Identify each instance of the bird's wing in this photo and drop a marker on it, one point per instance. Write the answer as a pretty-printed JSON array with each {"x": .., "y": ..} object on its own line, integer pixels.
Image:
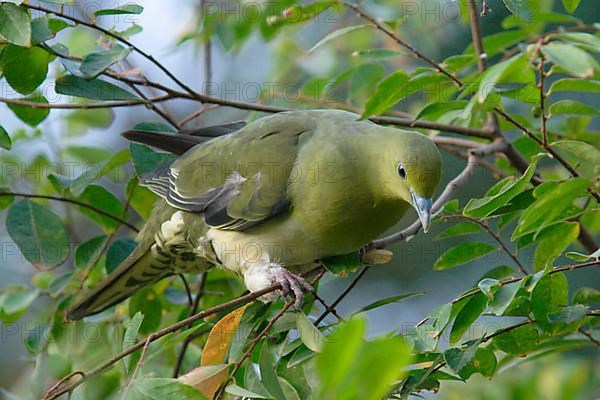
[{"x": 238, "y": 180}]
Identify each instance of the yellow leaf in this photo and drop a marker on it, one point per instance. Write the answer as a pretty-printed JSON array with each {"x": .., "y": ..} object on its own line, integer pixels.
[{"x": 216, "y": 348}]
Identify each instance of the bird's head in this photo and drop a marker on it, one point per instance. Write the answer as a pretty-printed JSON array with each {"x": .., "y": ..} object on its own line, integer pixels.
[{"x": 412, "y": 168}]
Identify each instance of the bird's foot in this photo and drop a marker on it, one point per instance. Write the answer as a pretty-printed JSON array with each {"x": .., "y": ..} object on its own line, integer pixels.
[{"x": 292, "y": 285}]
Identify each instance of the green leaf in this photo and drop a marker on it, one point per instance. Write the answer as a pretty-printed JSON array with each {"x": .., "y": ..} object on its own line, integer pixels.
[
  {"x": 377, "y": 54},
  {"x": 58, "y": 284},
  {"x": 88, "y": 251},
  {"x": 95, "y": 63},
  {"x": 131, "y": 333},
  {"x": 571, "y": 5},
  {"x": 336, "y": 34},
  {"x": 389, "y": 300},
  {"x": 503, "y": 298},
  {"x": 549, "y": 296},
  {"x": 549, "y": 206},
  {"x": 569, "y": 314},
  {"x": 6, "y": 199},
  {"x": 584, "y": 155},
  {"x": 147, "y": 302},
  {"x": 310, "y": 335},
  {"x": 104, "y": 200},
  {"x": 5, "y": 141},
  {"x": 388, "y": 92},
  {"x": 15, "y": 26},
  {"x": 572, "y": 107},
  {"x": 351, "y": 368},
  {"x": 45, "y": 28},
  {"x": 124, "y": 9},
  {"x": 488, "y": 286},
  {"x": 521, "y": 8},
  {"x": 461, "y": 254},
  {"x": 493, "y": 44},
  {"x": 574, "y": 255},
  {"x": 117, "y": 252},
  {"x": 87, "y": 154},
  {"x": 575, "y": 85},
  {"x": 32, "y": 116},
  {"x": 484, "y": 362},
  {"x": 341, "y": 265},
  {"x": 164, "y": 388},
  {"x": 94, "y": 89},
  {"x": 15, "y": 301},
  {"x": 462, "y": 228},
  {"x": 268, "y": 374},
  {"x": 480, "y": 208},
  {"x": 145, "y": 159},
  {"x": 434, "y": 111},
  {"x": 586, "y": 295},
  {"x": 519, "y": 341},
  {"x": 335, "y": 362},
  {"x": 499, "y": 272},
  {"x": 458, "y": 358},
  {"x": 25, "y": 80},
  {"x": 466, "y": 316},
  {"x": 142, "y": 200},
  {"x": 515, "y": 70},
  {"x": 39, "y": 233},
  {"x": 585, "y": 41},
  {"x": 552, "y": 241},
  {"x": 238, "y": 391},
  {"x": 570, "y": 58}
]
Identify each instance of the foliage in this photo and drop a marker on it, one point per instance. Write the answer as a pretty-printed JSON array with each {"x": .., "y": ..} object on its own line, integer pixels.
[{"x": 522, "y": 88}]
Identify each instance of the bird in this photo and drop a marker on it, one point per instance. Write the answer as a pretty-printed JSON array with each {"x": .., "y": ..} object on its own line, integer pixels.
[{"x": 269, "y": 199}]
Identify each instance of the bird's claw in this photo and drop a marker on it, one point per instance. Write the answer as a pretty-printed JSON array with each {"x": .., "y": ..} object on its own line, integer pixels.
[{"x": 293, "y": 285}]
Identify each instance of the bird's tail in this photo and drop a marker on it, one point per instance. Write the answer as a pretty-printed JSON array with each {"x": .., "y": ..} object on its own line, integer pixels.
[{"x": 135, "y": 272}]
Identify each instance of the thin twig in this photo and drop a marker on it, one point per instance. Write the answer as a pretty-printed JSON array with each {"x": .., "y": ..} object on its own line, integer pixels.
[
  {"x": 193, "y": 310},
  {"x": 72, "y": 201},
  {"x": 399, "y": 41},
  {"x": 589, "y": 336},
  {"x": 342, "y": 295},
  {"x": 494, "y": 235},
  {"x": 542, "y": 72},
  {"x": 152, "y": 106}
]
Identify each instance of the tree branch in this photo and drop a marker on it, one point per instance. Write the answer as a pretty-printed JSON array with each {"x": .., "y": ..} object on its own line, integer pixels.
[
  {"x": 73, "y": 201},
  {"x": 85, "y": 106}
]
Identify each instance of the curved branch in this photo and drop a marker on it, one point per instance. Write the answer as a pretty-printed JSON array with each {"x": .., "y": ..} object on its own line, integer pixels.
[
  {"x": 73, "y": 201},
  {"x": 84, "y": 106}
]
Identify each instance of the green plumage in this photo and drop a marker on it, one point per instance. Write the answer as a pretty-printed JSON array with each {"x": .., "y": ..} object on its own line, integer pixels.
[{"x": 281, "y": 192}]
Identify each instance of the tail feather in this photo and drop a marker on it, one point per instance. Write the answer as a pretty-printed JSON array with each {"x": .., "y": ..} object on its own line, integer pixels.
[{"x": 133, "y": 274}]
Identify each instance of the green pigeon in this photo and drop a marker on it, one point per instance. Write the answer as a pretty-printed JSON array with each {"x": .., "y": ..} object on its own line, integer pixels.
[{"x": 269, "y": 199}]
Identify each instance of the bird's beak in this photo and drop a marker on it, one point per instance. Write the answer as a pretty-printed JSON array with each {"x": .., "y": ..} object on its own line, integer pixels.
[{"x": 423, "y": 207}]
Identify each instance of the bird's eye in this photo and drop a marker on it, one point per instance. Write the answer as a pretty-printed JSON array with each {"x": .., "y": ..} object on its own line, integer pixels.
[{"x": 401, "y": 171}]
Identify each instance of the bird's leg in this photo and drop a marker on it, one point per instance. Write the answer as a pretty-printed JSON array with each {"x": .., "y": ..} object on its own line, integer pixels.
[{"x": 292, "y": 285}]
